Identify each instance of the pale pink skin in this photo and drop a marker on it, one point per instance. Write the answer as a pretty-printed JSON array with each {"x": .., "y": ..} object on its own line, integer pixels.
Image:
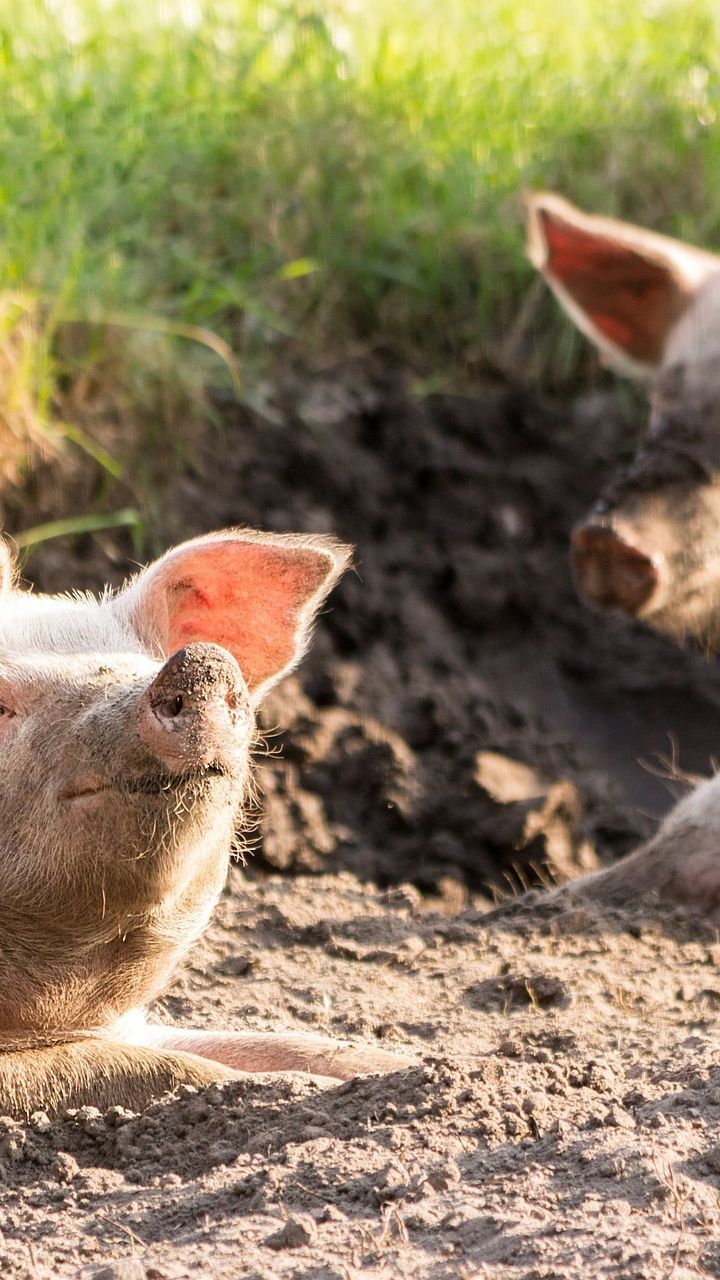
[
  {"x": 680, "y": 864},
  {"x": 126, "y": 726}
]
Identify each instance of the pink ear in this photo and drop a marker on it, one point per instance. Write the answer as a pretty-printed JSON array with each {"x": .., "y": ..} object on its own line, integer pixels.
[
  {"x": 256, "y": 594},
  {"x": 624, "y": 287}
]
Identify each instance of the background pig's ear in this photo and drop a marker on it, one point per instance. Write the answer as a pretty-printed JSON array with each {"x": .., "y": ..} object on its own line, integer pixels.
[
  {"x": 255, "y": 594},
  {"x": 7, "y": 567},
  {"x": 625, "y": 288}
]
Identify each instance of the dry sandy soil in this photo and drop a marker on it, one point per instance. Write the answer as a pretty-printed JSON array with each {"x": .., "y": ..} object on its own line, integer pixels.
[{"x": 462, "y": 724}]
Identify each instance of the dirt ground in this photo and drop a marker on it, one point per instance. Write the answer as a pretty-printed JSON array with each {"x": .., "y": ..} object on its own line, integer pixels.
[{"x": 463, "y": 726}]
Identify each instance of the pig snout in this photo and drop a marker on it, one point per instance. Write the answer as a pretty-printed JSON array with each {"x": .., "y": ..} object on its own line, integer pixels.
[
  {"x": 612, "y": 568},
  {"x": 196, "y": 713}
]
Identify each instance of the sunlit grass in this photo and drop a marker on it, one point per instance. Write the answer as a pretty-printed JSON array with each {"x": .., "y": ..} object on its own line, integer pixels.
[{"x": 334, "y": 173}]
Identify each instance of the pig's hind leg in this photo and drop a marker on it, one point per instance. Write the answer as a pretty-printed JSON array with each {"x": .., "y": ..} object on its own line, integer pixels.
[
  {"x": 282, "y": 1051},
  {"x": 680, "y": 864},
  {"x": 96, "y": 1072}
]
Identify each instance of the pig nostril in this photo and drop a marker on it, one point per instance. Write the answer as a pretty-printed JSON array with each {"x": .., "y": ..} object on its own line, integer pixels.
[{"x": 610, "y": 571}]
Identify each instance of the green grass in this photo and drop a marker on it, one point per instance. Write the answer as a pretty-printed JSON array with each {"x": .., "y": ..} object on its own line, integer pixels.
[{"x": 338, "y": 172}]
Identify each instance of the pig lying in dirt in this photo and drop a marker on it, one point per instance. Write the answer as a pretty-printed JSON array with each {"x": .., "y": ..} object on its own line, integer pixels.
[
  {"x": 651, "y": 545},
  {"x": 126, "y": 726},
  {"x": 678, "y": 865}
]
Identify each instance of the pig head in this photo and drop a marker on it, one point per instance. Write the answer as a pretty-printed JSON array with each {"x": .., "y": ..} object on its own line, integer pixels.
[
  {"x": 126, "y": 726},
  {"x": 651, "y": 544}
]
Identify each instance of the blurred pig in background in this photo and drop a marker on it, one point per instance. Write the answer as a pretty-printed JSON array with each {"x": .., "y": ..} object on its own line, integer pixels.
[{"x": 650, "y": 546}]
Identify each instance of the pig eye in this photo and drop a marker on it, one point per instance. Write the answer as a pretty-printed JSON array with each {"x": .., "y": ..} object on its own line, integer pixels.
[{"x": 5, "y": 712}]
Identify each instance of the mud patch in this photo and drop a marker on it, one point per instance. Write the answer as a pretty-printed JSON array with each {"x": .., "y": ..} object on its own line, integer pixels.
[
  {"x": 573, "y": 1135},
  {"x": 461, "y": 724},
  {"x": 462, "y": 720}
]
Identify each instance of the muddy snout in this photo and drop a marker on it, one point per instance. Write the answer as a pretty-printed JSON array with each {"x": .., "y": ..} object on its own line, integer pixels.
[
  {"x": 196, "y": 713},
  {"x": 612, "y": 568}
]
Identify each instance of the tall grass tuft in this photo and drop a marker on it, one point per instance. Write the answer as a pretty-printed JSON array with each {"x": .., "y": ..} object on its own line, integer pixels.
[{"x": 329, "y": 171}]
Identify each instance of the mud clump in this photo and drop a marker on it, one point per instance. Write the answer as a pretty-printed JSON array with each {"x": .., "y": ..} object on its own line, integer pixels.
[{"x": 510, "y": 990}]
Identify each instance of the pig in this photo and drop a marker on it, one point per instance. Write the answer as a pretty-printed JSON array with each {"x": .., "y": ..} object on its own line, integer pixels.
[
  {"x": 651, "y": 545},
  {"x": 678, "y": 866},
  {"x": 126, "y": 729}
]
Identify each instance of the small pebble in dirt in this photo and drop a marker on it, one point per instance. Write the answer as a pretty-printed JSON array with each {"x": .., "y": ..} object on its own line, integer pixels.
[
  {"x": 235, "y": 966},
  {"x": 600, "y": 1077},
  {"x": 391, "y": 1182},
  {"x": 618, "y": 1118},
  {"x": 443, "y": 1175},
  {"x": 293, "y": 1234},
  {"x": 12, "y": 1144},
  {"x": 65, "y": 1167},
  {"x": 533, "y": 1103},
  {"x": 117, "y": 1116},
  {"x": 121, "y": 1269},
  {"x": 40, "y": 1121},
  {"x": 712, "y": 1159}
]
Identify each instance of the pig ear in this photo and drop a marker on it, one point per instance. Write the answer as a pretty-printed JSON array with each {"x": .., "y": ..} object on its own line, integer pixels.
[
  {"x": 256, "y": 594},
  {"x": 625, "y": 288}
]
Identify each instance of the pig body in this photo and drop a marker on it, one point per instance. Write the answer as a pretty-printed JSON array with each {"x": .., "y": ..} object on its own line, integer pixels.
[
  {"x": 678, "y": 865},
  {"x": 651, "y": 544},
  {"x": 126, "y": 726}
]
